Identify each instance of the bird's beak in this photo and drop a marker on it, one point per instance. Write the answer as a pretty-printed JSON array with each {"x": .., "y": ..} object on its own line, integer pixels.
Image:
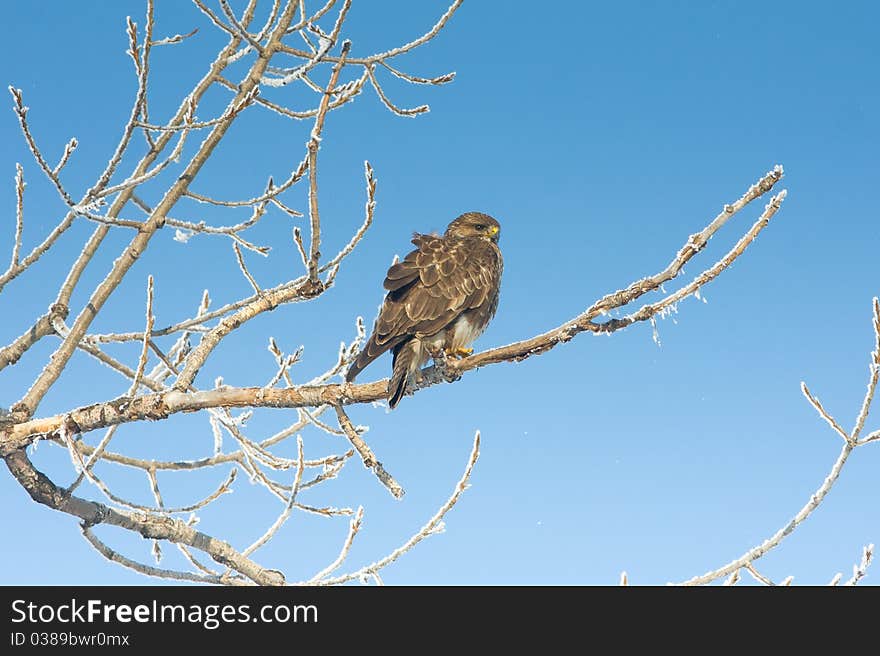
[{"x": 493, "y": 231}]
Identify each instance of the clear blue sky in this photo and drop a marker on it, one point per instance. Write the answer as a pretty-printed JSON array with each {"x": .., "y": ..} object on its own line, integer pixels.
[{"x": 601, "y": 135}]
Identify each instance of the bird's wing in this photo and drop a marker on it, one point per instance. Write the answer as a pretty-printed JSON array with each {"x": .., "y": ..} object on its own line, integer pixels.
[{"x": 434, "y": 284}]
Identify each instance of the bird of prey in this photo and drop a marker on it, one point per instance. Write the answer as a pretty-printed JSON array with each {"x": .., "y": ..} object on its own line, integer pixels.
[{"x": 440, "y": 297}]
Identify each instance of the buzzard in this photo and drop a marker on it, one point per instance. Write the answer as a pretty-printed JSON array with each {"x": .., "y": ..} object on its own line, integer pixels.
[{"x": 441, "y": 296}]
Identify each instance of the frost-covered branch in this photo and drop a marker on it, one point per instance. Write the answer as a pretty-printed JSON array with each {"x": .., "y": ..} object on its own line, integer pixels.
[
  {"x": 149, "y": 570},
  {"x": 353, "y": 529},
  {"x": 432, "y": 527},
  {"x": 415, "y": 111},
  {"x": 851, "y": 441},
  {"x": 369, "y": 458},
  {"x": 313, "y": 146},
  {"x": 43, "y": 491},
  {"x": 861, "y": 569},
  {"x": 142, "y": 361},
  {"x": 19, "y": 215}
]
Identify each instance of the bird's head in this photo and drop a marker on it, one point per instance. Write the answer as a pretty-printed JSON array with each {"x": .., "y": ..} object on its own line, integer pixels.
[{"x": 475, "y": 224}]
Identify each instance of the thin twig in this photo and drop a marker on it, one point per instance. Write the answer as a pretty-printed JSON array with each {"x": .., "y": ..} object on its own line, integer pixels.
[
  {"x": 319, "y": 56},
  {"x": 410, "y": 113},
  {"x": 244, "y": 269},
  {"x": 138, "y": 109},
  {"x": 295, "y": 177},
  {"x": 149, "y": 570},
  {"x": 367, "y": 455},
  {"x": 343, "y": 95},
  {"x": 238, "y": 28},
  {"x": 353, "y": 528},
  {"x": 861, "y": 569},
  {"x": 201, "y": 227},
  {"x": 874, "y": 377},
  {"x": 177, "y": 38},
  {"x": 95, "y": 456},
  {"x": 415, "y": 79},
  {"x": 288, "y": 508},
  {"x": 824, "y": 413},
  {"x": 389, "y": 54},
  {"x": 585, "y": 321},
  {"x": 313, "y": 146},
  {"x": 19, "y": 214},
  {"x": 68, "y": 151},
  {"x": 433, "y": 526},
  {"x": 760, "y": 578},
  {"x": 196, "y": 563},
  {"x": 300, "y": 247},
  {"x": 142, "y": 361},
  {"x": 21, "y": 111}
]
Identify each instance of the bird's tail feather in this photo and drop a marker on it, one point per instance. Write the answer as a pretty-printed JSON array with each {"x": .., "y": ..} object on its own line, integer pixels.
[
  {"x": 405, "y": 362},
  {"x": 356, "y": 367},
  {"x": 370, "y": 352}
]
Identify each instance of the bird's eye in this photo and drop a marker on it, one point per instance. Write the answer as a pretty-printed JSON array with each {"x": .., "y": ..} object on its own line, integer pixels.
[{"x": 480, "y": 226}]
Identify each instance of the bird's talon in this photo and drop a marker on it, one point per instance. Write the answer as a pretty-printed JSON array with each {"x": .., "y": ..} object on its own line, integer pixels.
[{"x": 459, "y": 352}]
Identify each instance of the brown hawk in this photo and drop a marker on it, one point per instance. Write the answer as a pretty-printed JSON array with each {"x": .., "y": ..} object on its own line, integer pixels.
[{"x": 441, "y": 296}]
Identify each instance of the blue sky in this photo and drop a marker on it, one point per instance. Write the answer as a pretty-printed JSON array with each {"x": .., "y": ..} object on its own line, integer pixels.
[{"x": 601, "y": 135}]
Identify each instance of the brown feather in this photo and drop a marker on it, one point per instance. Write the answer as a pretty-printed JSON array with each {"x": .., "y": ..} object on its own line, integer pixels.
[
  {"x": 443, "y": 280},
  {"x": 405, "y": 363}
]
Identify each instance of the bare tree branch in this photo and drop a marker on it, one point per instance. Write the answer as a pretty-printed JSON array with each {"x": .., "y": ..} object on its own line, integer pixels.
[
  {"x": 370, "y": 461},
  {"x": 874, "y": 377},
  {"x": 19, "y": 215},
  {"x": 288, "y": 509},
  {"x": 824, "y": 413},
  {"x": 148, "y": 570},
  {"x": 43, "y": 491},
  {"x": 861, "y": 569},
  {"x": 353, "y": 529},
  {"x": 434, "y": 525},
  {"x": 313, "y": 146},
  {"x": 850, "y": 443},
  {"x": 142, "y": 362},
  {"x": 68, "y": 151}
]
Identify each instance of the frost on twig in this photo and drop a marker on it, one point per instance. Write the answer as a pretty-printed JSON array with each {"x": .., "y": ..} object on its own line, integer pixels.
[
  {"x": 19, "y": 215},
  {"x": 367, "y": 455},
  {"x": 430, "y": 528},
  {"x": 861, "y": 569}
]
